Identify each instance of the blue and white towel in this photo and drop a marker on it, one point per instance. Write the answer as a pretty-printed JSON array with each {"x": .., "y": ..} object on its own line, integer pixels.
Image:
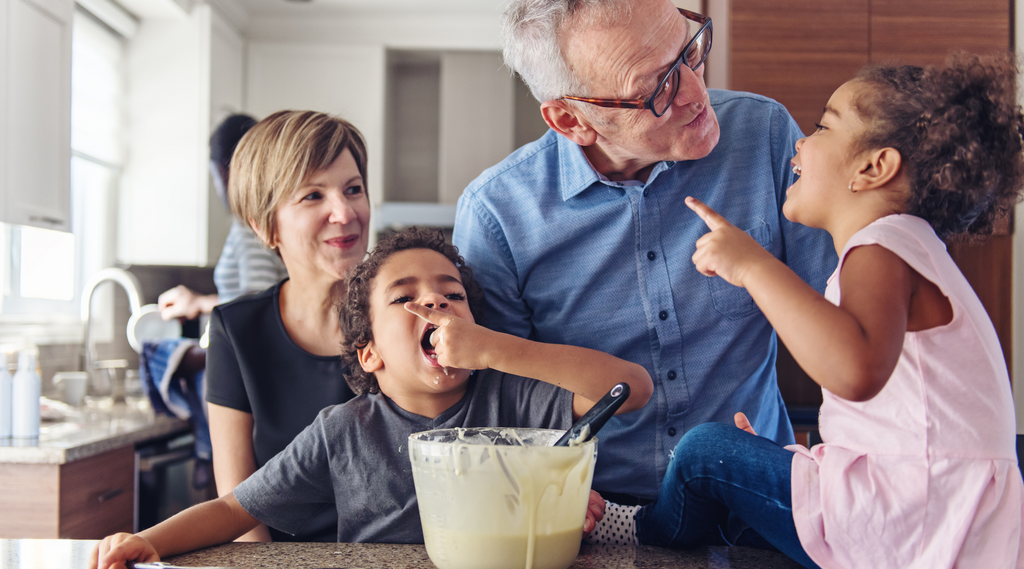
[{"x": 173, "y": 393}]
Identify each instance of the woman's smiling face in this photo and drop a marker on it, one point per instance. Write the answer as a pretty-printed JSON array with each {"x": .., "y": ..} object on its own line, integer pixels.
[
  {"x": 323, "y": 228},
  {"x": 406, "y": 368}
]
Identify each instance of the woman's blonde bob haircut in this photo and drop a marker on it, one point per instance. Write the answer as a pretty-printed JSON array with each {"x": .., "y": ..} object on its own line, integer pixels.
[{"x": 278, "y": 155}]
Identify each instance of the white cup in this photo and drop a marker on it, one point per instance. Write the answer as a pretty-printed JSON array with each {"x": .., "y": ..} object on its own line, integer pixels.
[{"x": 72, "y": 385}]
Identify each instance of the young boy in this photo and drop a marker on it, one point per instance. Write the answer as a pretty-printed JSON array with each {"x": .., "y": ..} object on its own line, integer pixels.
[{"x": 412, "y": 345}]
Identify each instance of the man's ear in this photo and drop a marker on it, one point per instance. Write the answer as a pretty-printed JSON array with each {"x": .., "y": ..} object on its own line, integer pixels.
[
  {"x": 369, "y": 358},
  {"x": 569, "y": 122},
  {"x": 878, "y": 168}
]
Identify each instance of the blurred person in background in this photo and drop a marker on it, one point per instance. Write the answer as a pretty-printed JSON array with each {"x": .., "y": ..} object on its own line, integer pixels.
[{"x": 245, "y": 264}]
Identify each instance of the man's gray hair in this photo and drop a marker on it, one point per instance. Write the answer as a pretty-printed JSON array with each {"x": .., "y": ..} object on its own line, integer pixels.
[{"x": 530, "y": 34}]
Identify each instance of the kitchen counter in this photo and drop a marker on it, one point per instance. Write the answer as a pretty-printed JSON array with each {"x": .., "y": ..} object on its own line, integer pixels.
[
  {"x": 44, "y": 554},
  {"x": 90, "y": 434},
  {"x": 79, "y": 479}
]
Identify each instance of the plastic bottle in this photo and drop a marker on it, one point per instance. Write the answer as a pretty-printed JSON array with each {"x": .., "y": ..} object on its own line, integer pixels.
[
  {"x": 25, "y": 399},
  {"x": 5, "y": 398}
]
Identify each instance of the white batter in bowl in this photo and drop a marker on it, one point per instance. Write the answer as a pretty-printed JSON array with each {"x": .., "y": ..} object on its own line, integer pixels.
[{"x": 495, "y": 498}]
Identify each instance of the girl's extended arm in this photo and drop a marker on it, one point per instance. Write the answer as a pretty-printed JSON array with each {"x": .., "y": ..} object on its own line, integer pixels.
[
  {"x": 850, "y": 349},
  {"x": 589, "y": 374},
  {"x": 203, "y": 525}
]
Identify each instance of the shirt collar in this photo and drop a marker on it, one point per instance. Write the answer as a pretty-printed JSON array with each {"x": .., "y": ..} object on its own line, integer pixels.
[{"x": 577, "y": 174}]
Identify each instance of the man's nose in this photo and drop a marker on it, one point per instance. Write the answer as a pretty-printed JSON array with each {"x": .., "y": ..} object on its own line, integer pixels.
[{"x": 691, "y": 86}]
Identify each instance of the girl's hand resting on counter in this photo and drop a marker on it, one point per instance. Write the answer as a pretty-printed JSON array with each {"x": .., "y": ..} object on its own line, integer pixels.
[
  {"x": 115, "y": 551},
  {"x": 595, "y": 512}
]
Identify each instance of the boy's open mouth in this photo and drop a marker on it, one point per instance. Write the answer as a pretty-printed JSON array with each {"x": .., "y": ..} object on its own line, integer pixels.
[{"x": 425, "y": 341}]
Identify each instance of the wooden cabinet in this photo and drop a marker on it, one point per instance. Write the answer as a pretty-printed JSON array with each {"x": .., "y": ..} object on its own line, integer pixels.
[
  {"x": 84, "y": 499},
  {"x": 923, "y": 32},
  {"x": 35, "y": 105},
  {"x": 799, "y": 51}
]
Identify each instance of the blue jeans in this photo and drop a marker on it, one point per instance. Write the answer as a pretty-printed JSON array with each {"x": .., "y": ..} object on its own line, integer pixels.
[{"x": 724, "y": 486}]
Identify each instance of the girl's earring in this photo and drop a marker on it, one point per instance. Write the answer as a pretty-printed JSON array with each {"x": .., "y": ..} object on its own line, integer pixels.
[{"x": 851, "y": 187}]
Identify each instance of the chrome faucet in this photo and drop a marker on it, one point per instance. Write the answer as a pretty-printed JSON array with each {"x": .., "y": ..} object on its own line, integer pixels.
[{"x": 131, "y": 285}]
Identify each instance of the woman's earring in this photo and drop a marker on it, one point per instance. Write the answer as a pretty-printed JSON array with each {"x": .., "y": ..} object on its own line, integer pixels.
[{"x": 851, "y": 187}]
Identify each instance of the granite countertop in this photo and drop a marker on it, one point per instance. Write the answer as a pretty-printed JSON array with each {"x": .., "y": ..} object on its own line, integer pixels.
[
  {"x": 372, "y": 555},
  {"x": 89, "y": 433},
  {"x": 50, "y": 553}
]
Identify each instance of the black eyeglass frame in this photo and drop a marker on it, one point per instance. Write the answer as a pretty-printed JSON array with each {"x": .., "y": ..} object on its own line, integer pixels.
[{"x": 648, "y": 103}]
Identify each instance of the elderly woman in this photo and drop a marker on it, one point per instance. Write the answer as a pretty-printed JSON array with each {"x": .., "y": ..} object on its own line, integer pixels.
[{"x": 298, "y": 178}]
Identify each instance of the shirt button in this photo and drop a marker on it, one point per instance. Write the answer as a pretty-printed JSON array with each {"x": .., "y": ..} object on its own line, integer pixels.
[
  {"x": 663, "y": 315},
  {"x": 646, "y": 191},
  {"x": 672, "y": 374},
  {"x": 651, "y": 255},
  {"x": 671, "y": 431}
]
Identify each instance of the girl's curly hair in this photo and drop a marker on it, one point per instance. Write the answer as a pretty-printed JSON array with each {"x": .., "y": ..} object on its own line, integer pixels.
[
  {"x": 958, "y": 130},
  {"x": 354, "y": 311}
]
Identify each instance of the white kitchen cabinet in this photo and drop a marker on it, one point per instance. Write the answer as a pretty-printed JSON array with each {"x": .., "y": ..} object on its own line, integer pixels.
[
  {"x": 35, "y": 102},
  {"x": 184, "y": 77}
]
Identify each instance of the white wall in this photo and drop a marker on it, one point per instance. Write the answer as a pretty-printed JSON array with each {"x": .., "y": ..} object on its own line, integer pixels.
[
  {"x": 479, "y": 31},
  {"x": 477, "y": 119},
  {"x": 227, "y": 97},
  {"x": 343, "y": 80},
  {"x": 338, "y": 65},
  {"x": 413, "y": 126},
  {"x": 716, "y": 74}
]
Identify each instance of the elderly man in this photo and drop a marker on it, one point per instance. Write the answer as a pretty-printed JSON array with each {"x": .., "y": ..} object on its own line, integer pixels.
[{"x": 582, "y": 237}]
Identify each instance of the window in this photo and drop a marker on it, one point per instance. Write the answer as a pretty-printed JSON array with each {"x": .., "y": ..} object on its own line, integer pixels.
[{"x": 44, "y": 270}]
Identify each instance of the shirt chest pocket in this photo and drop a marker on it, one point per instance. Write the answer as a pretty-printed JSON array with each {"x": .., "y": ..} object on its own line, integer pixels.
[{"x": 735, "y": 302}]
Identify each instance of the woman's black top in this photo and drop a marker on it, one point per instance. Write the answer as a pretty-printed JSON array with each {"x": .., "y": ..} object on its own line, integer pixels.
[{"x": 254, "y": 366}]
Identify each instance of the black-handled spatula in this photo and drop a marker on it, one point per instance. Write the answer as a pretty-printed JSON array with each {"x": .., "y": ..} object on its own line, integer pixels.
[{"x": 593, "y": 420}]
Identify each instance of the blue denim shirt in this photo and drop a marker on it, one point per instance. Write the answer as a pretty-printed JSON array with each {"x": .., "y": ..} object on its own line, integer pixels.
[{"x": 566, "y": 256}]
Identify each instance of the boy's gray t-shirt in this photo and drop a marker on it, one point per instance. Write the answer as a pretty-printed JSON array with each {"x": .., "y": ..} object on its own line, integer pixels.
[{"x": 355, "y": 457}]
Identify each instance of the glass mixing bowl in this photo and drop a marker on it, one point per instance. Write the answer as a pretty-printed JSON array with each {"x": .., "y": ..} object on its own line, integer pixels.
[{"x": 500, "y": 498}]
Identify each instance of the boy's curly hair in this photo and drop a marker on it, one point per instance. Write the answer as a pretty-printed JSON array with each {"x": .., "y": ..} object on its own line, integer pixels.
[
  {"x": 958, "y": 130},
  {"x": 354, "y": 311}
]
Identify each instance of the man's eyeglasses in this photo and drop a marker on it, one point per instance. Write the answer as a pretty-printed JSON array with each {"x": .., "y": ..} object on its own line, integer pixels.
[{"x": 693, "y": 56}]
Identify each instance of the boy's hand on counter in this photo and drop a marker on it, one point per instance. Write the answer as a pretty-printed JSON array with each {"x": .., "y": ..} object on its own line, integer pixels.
[{"x": 115, "y": 551}]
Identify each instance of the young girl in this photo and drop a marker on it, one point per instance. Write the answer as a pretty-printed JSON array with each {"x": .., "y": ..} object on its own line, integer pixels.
[{"x": 919, "y": 468}]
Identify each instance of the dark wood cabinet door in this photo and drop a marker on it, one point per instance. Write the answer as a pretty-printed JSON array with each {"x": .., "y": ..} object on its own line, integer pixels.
[
  {"x": 923, "y": 32},
  {"x": 797, "y": 52}
]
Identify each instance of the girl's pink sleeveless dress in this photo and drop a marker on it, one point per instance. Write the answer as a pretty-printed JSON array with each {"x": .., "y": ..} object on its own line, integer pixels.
[{"x": 924, "y": 475}]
